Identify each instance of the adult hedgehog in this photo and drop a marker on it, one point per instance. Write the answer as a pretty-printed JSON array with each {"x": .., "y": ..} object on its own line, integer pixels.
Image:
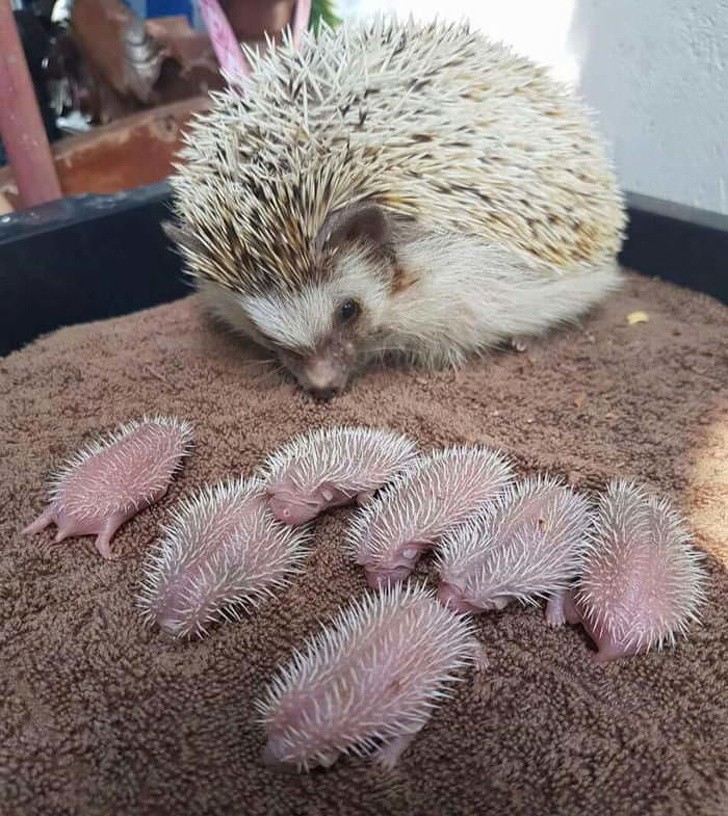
[{"x": 395, "y": 188}]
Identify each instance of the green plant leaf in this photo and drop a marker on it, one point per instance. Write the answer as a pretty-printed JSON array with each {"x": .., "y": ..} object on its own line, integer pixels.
[{"x": 323, "y": 10}]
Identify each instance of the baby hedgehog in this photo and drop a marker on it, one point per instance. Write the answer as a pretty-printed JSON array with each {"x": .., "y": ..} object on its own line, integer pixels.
[
  {"x": 528, "y": 545},
  {"x": 642, "y": 581},
  {"x": 223, "y": 554},
  {"x": 110, "y": 480},
  {"x": 331, "y": 467},
  {"x": 368, "y": 682},
  {"x": 441, "y": 490},
  {"x": 395, "y": 190}
]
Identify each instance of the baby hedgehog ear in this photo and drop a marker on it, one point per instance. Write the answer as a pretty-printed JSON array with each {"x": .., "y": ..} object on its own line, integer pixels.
[{"x": 359, "y": 223}]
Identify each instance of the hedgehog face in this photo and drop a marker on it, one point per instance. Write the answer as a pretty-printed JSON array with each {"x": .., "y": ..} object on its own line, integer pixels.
[
  {"x": 325, "y": 369},
  {"x": 329, "y": 321},
  {"x": 323, "y": 331},
  {"x": 286, "y": 749},
  {"x": 385, "y": 572},
  {"x": 452, "y": 595},
  {"x": 293, "y": 504}
]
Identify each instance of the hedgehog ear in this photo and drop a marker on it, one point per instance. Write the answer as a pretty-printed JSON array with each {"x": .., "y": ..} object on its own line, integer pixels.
[{"x": 365, "y": 223}]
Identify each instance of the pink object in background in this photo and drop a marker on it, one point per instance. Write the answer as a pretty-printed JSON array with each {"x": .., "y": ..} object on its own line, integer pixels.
[
  {"x": 226, "y": 44},
  {"x": 21, "y": 125}
]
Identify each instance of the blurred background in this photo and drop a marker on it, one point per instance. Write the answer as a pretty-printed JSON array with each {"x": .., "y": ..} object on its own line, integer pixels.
[{"x": 116, "y": 80}]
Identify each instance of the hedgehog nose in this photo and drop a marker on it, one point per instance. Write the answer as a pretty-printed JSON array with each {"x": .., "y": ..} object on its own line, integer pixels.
[
  {"x": 324, "y": 394},
  {"x": 324, "y": 377}
]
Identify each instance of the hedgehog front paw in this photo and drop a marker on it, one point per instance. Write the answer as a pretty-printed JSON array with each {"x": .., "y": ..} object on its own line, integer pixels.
[
  {"x": 480, "y": 656},
  {"x": 555, "y": 615},
  {"x": 389, "y": 753},
  {"x": 560, "y": 609}
]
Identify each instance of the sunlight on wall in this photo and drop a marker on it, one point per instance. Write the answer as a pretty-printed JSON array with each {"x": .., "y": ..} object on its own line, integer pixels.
[{"x": 543, "y": 38}]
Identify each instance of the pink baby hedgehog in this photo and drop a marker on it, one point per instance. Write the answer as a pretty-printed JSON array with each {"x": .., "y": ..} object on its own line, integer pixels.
[
  {"x": 331, "y": 467},
  {"x": 368, "y": 682},
  {"x": 642, "y": 581},
  {"x": 111, "y": 480},
  {"x": 529, "y": 544},
  {"x": 439, "y": 491},
  {"x": 223, "y": 553}
]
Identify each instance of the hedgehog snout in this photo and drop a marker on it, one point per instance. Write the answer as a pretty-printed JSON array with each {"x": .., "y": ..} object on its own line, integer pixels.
[
  {"x": 274, "y": 755},
  {"x": 453, "y": 597},
  {"x": 325, "y": 372},
  {"x": 381, "y": 578},
  {"x": 323, "y": 376},
  {"x": 291, "y": 509},
  {"x": 278, "y": 755},
  {"x": 293, "y": 506}
]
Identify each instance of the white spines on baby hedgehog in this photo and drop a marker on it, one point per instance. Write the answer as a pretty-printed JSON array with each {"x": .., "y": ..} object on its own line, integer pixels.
[
  {"x": 223, "y": 554},
  {"x": 368, "y": 682},
  {"x": 643, "y": 582},
  {"x": 113, "y": 478},
  {"x": 440, "y": 490},
  {"x": 526, "y": 546},
  {"x": 395, "y": 187},
  {"x": 330, "y": 467}
]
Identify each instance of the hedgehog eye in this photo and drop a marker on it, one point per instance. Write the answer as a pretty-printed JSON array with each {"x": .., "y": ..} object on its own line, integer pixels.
[{"x": 348, "y": 311}]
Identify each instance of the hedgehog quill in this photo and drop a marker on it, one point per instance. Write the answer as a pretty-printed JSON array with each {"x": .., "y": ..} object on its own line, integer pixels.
[
  {"x": 395, "y": 190},
  {"x": 440, "y": 491},
  {"x": 223, "y": 554}
]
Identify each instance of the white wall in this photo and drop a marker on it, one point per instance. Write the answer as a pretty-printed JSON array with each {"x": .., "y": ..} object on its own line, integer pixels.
[{"x": 656, "y": 72}]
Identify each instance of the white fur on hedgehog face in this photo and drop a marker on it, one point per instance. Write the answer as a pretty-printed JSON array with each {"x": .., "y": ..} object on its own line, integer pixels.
[{"x": 322, "y": 333}]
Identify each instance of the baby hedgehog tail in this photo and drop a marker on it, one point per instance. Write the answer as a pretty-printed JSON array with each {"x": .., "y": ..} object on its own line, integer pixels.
[
  {"x": 223, "y": 553},
  {"x": 112, "y": 479},
  {"x": 331, "y": 467},
  {"x": 368, "y": 682},
  {"x": 643, "y": 583},
  {"x": 439, "y": 491},
  {"x": 528, "y": 545}
]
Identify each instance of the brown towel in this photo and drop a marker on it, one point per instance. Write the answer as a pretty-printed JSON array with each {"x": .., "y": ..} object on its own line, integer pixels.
[{"x": 101, "y": 716}]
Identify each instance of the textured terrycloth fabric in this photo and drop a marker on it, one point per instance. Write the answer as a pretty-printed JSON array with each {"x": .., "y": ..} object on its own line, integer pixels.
[{"x": 101, "y": 716}]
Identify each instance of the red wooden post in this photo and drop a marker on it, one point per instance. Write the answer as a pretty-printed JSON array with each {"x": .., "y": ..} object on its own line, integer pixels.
[{"x": 21, "y": 126}]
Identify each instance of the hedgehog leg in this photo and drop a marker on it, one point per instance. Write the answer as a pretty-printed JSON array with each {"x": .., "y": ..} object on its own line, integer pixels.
[
  {"x": 390, "y": 752},
  {"x": 608, "y": 652},
  {"x": 65, "y": 530},
  {"x": 560, "y": 609},
  {"x": 480, "y": 656},
  {"x": 103, "y": 540},
  {"x": 40, "y": 523}
]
